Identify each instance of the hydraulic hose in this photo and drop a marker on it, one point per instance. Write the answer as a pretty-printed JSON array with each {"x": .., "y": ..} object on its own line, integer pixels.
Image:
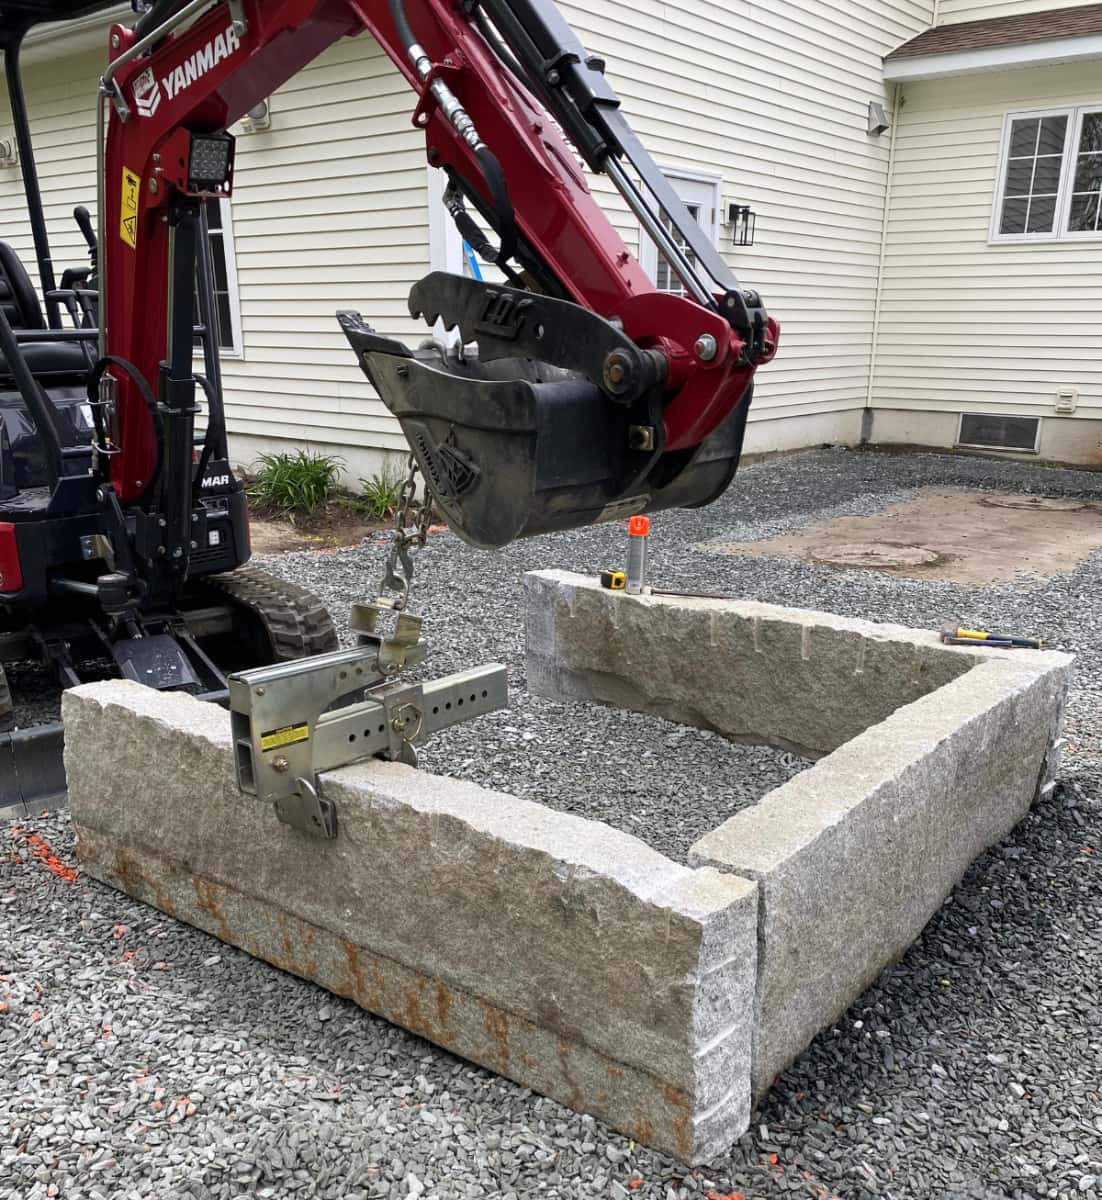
[
  {"x": 139, "y": 380},
  {"x": 215, "y": 433},
  {"x": 401, "y": 24},
  {"x": 488, "y": 165}
]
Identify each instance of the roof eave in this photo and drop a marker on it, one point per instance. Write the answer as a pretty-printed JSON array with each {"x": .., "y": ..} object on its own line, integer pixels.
[
  {"x": 913, "y": 67},
  {"x": 80, "y": 35}
]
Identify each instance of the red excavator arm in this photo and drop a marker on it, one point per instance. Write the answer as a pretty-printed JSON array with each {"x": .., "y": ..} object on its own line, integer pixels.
[{"x": 591, "y": 394}]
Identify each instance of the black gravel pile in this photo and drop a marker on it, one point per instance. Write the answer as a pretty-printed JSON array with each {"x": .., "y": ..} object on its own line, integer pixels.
[{"x": 143, "y": 1059}]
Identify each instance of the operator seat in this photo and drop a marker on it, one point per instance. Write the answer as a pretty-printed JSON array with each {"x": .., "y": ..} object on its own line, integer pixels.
[
  {"x": 60, "y": 368},
  {"x": 19, "y": 301}
]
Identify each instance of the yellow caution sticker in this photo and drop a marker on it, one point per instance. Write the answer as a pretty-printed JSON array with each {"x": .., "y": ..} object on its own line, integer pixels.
[
  {"x": 275, "y": 739},
  {"x": 128, "y": 222}
]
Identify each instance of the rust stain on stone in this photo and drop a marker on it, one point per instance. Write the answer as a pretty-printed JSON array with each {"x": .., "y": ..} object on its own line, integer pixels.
[
  {"x": 285, "y": 938},
  {"x": 354, "y": 981},
  {"x": 497, "y": 1026},
  {"x": 411, "y": 1012},
  {"x": 206, "y": 896},
  {"x": 443, "y": 1004},
  {"x": 306, "y": 942},
  {"x": 135, "y": 882},
  {"x": 642, "y": 1131},
  {"x": 679, "y": 1126},
  {"x": 577, "y": 1093}
]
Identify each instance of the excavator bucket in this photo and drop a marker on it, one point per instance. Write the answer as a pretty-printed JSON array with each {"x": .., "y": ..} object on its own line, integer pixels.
[{"x": 512, "y": 445}]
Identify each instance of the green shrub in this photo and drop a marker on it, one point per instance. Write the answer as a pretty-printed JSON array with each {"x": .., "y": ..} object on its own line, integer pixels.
[
  {"x": 296, "y": 482},
  {"x": 382, "y": 492}
]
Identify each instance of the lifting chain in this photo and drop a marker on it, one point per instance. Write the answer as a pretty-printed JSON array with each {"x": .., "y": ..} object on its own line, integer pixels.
[{"x": 411, "y": 532}]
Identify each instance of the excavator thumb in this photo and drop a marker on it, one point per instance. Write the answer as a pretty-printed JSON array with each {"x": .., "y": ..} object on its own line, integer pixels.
[{"x": 544, "y": 417}]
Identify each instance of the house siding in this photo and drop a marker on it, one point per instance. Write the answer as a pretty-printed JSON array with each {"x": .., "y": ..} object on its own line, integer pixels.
[
  {"x": 63, "y": 122},
  {"x": 950, "y": 11},
  {"x": 777, "y": 109},
  {"x": 330, "y": 208},
  {"x": 966, "y": 325},
  {"x": 330, "y": 211}
]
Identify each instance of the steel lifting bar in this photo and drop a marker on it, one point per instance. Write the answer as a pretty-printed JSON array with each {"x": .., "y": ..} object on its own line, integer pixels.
[{"x": 284, "y": 733}]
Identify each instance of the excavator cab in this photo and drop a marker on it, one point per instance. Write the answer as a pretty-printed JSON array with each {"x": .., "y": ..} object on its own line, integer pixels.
[{"x": 58, "y": 367}]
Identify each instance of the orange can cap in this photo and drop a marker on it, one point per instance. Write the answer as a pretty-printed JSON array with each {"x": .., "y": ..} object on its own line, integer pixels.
[{"x": 639, "y": 526}]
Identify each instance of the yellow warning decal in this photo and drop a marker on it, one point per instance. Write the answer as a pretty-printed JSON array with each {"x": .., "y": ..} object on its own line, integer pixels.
[
  {"x": 287, "y": 736},
  {"x": 128, "y": 226}
]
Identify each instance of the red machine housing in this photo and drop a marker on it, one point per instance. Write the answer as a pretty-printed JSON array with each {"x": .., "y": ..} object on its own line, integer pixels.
[{"x": 208, "y": 76}]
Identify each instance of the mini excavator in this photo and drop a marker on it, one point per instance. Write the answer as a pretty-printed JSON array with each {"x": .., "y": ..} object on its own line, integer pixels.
[{"x": 573, "y": 390}]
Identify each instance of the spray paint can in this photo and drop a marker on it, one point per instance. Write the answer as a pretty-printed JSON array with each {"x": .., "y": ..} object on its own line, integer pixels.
[{"x": 638, "y": 530}]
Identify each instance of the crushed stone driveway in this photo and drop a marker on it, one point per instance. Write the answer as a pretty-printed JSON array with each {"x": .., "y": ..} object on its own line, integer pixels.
[{"x": 141, "y": 1058}]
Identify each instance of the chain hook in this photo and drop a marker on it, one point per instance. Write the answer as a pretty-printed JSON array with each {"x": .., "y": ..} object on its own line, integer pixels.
[{"x": 411, "y": 532}]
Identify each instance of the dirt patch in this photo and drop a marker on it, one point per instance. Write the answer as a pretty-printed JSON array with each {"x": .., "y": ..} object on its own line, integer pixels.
[
  {"x": 949, "y": 533},
  {"x": 334, "y": 524}
]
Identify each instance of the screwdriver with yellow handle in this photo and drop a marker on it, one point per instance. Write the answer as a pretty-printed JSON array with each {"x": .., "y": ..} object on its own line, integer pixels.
[{"x": 957, "y": 635}]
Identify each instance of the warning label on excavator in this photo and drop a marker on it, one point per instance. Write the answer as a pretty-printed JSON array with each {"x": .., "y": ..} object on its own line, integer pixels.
[
  {"x": 288, "y": 735},
  {"x": 128, "y": 226}
]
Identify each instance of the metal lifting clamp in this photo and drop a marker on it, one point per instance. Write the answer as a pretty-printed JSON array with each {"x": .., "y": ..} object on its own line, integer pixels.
[{"x": 286, "y": 729}]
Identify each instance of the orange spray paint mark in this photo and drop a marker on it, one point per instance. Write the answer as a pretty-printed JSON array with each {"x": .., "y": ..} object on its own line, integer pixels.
[{"x": 41, "y": 850}]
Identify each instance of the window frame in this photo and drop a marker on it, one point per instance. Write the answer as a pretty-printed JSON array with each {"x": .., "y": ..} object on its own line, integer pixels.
[
  {"x": 648, "y": 250},
  {"x": 1064, "y": 210},
  {"x": 229, "y": 254},
  {"x": 1060, "y": 232}
]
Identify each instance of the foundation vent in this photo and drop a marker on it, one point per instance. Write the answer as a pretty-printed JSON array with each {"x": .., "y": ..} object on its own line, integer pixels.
[{"x": 996, "y": 431}]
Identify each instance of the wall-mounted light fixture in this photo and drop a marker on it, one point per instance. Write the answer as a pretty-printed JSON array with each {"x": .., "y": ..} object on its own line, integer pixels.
[
  {"x": 258, "y": 118},
  {"x": 878, "y": 119},
  {"x": 742, "y": 219},
  {"x": 9, "y": 154}
]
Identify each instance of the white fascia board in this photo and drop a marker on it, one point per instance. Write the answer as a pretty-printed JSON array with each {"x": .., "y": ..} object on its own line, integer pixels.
[
  {"x": 60, "y": 39},
  {"x": 994, "y": 58}
]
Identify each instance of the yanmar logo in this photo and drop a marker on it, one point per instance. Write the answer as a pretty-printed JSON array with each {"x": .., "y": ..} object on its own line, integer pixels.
[{"x": 147, "y": 91}]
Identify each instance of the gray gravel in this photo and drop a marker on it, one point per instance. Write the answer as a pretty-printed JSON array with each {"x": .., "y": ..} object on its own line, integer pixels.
[
  {"x": 666, "y": 784},
  {"x": 971, "y": 1069}
]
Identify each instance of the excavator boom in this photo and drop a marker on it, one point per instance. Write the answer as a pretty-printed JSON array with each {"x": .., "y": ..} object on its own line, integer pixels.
[{"x": 575, "y": 392}]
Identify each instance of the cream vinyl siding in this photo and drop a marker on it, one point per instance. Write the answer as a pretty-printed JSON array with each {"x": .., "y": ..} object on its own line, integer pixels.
[
  {"x": 773, "y": 99},
  {"x": 61, "y": 100},
  {"x": 966, "y": 325},
  {"x": 950, "y": 11},
  {"x": 329, "y": 211}
]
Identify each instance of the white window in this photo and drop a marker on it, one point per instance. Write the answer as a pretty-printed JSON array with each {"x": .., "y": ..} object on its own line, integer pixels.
[
  {"x": 700, "y": 194},
  {"x": 227, "y": 304},
  {"x": 1050, "y": 179}
]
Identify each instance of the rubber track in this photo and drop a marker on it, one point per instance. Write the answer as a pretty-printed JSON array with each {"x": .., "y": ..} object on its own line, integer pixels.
[{"x": 296, "y": 620}]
